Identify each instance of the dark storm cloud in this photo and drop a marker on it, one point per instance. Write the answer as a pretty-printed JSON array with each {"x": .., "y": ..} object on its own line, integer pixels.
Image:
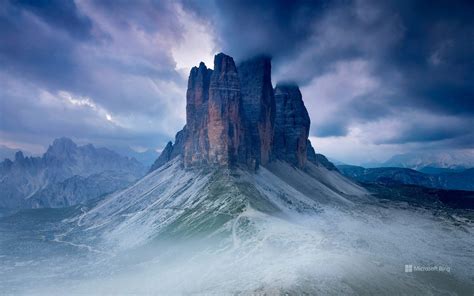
[
  {"x": 148, "y": 15},
  {"x": 30, "y": 49},
  {"x": 362, "y": 109},
  {"x": 436, "y": 55},
  {"x": 422, "y": 50},
  {"x": 333, "y": 128},
  {"x": 276, "y": 27},
  {"x": 414, "y": 132},
  {"x": 58, "y": 13},
  {"x": 54, "y": 43},
  {"x": 111, "y": 58}
]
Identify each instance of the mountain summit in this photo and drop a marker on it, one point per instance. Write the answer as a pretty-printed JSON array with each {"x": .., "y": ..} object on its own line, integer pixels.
[{"x": 234, "y": 117}]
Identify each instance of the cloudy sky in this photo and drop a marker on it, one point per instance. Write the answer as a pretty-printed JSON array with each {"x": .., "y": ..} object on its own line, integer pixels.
[{"x": 378, "y": 77}]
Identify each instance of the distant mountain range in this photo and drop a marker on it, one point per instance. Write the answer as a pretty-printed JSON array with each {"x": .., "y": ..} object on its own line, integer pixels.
[
  {"x": 146, "y": 157},
  {"x": 431, "y": 161},
  {"x": 7, "y": 152},
  {"x": 65, "y": 175},
  {"x": 459, "y": 180}
]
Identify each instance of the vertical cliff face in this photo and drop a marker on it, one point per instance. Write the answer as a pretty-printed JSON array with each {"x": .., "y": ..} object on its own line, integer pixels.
[
  {"x": 235, "y": 117},
  {"x": 171, "y": 150},
  {"x": 196, "y": 142},
  {"x": 214, "y": 132},
  {"x": 291, "y": 125},
  {"x": 225, "y": 127},
  {"x": 258, "y": 103}
]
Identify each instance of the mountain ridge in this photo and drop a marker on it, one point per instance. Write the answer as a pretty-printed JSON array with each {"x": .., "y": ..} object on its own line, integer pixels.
[
  {"x": 462, "y": 180},
  {"x": 26, "y": 177},
  {"x": 430, "y": 161}
]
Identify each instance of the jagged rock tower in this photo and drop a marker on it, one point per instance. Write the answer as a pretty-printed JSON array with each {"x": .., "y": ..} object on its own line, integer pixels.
[
  {"x": 291, "y": 125},
  {"x": 258, "y": 102},
  {"x": 235, "y": 117}
]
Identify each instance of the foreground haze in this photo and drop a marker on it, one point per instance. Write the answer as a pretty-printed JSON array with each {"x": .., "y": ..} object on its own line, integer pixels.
[{"x": 180, "y": 232}]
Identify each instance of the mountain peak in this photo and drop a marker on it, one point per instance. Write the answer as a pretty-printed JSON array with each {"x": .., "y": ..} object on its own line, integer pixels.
[
  {"x": 292, "y": 124},
  {"x": 234, "y": 116},
  {"x": 224, "y": 64},
  {"x": 19, "y": 156},
  {"x": 61, "y": 148},
  {"x": 63, "y": 142}
]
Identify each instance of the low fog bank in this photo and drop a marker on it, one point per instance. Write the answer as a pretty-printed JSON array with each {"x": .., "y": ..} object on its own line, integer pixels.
[{"x": 362, "y": 250}]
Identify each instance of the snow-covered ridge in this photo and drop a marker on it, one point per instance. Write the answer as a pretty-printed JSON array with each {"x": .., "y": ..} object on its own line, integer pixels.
[{"x": 182, "y": 202}]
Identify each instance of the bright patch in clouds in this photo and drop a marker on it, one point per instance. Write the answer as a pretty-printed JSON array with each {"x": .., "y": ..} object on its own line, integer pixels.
[
  {"x": 196, "y": 45},
  {"x": 85, "y": 102}
]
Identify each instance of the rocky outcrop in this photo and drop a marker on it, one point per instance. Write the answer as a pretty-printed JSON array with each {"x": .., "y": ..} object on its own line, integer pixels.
[
  {"x": 318, "y": 159},
  {"x": 235, "y": 117},
  {"x": 196, "y": 144},
  {"x": 164, "y": 157},
  {"x": 225, "y": 127},
  {"x": 214, "y": 133},
  {"x": 291, "y": 125},
  {"x": 171, "y": 150},
  {"x": 258, "y": 103}
]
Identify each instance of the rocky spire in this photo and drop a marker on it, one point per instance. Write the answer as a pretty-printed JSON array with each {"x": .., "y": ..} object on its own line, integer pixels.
[
  {"x": 291, "y": 125},
  {"x": 171, "y": 150},
  {"x": 196, "y": 142},
  {"x": 214, "y": 131},
  {"x": 258, "y": 103},
  {"x": 234, "y": 116},
  {"x": 61, "y": 149},
  {"x": 225, "y": 127},
  {"x": 19, "y": 156}
]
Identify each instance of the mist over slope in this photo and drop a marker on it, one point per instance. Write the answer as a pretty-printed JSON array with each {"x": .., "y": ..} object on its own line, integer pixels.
[{"x": 232, "y": 231}]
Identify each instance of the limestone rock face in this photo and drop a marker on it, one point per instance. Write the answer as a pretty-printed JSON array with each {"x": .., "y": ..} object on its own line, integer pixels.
[
  {"x": 164, "y": 157},
  {"x": 214, "y": 133},
  {"x": 196, "y": 144},
  {"x": 179, "y": 142},
  {"x": 171, "y": 151},
  {"x": 291, "y": 125},
  {"x": 235, "y": 117},
  {"x": 258, "y": 103},
  {"x": 225, "y": 128}
]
